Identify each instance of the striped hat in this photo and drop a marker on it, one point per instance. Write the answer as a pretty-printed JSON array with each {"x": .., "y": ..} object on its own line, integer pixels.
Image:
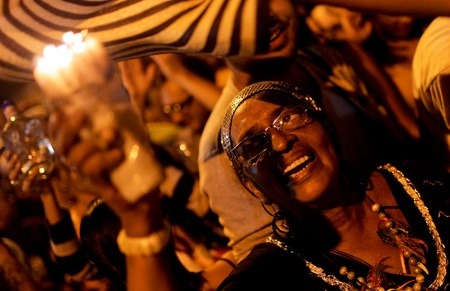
[{"x": 129, "y": 29}]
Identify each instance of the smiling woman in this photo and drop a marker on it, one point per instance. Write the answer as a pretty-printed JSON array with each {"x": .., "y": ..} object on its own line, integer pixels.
[{"x": 333, "y": 229}]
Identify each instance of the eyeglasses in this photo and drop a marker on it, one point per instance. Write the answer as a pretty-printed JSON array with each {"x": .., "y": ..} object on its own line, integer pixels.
[
  {"x": 177, "y": 107},
  {"x": 287, "y": 121}
]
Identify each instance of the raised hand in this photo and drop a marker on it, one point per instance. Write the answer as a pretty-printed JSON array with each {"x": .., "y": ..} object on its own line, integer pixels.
[
  {"x": 9, "y": 165},
  {"x": 137, "y": 77},
  {"x": 79, "y": 79},
  {"x": 30, "y": 187}
]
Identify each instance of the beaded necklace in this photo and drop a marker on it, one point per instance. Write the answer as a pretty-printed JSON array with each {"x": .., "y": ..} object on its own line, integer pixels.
[{"x": 418, "y": 202}]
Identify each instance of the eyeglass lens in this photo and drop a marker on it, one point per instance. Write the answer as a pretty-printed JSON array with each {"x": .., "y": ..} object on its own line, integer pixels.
[{"x": 288, "y": 120}]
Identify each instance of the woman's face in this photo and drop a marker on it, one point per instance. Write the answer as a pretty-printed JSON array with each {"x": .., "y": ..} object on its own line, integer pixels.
[
  {"x": 396, "y": 27},
  {"x": 283, "y": 28},
  {"x": 305, "y": 156}
]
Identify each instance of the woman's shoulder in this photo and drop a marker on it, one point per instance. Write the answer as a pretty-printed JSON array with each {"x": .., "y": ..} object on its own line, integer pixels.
[
  {"x": 426, "y": 184},
  {"x": 422, "y": 175}
]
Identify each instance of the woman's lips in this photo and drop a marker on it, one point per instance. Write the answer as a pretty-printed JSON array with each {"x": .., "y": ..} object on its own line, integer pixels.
[
  {"x": 278, "y": 35},
  {"x": 298, "y": 166}
]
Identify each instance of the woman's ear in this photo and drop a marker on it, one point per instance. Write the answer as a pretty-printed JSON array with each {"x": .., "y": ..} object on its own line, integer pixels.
[{"x": 254, "y": 190}]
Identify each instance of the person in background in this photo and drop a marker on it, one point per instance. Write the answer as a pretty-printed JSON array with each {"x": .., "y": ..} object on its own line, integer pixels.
[
  {"x": 99, "y": 228},
  {"x": 62, "y": 260},
  {"x": 54, "y": 254},
  {"x": 384, "y": 44},
  {"x": 198, "y": 233},
  {"x": 188, "y": 94},
  {"x": 199, "y": 27},
  {"x": 431, "y": 79},
  {"x": 14, "y": 274},
  {"x": 16, "y": 269},
  {"x": 393, "y": 44},
  {"x": 334, "y": 228},
  {"x": 329, "y": 23}
]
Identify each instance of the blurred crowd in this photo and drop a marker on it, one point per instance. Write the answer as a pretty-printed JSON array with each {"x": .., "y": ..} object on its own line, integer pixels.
[{"x": 59, "y": 237}]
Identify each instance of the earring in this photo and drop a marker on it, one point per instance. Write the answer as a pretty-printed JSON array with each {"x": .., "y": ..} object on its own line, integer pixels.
[{"x": 280, "y": 226}]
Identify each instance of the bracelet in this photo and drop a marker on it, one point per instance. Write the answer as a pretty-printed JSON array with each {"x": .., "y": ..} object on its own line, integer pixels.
[{"x": 145, "y": 246}]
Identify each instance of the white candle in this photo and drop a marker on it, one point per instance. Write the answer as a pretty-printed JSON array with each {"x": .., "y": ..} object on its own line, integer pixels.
[
  {"x": 78, "y": 62},
  {"x": 80, "y": 73}
]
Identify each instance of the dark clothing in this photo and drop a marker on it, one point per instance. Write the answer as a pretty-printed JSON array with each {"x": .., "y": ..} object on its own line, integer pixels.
[
  {"x": 368, "y": 136},
  {"x": 269, "y": 267}
]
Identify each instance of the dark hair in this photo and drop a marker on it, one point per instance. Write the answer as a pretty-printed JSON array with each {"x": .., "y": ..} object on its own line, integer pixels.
[{"x": 98, "y": 232}]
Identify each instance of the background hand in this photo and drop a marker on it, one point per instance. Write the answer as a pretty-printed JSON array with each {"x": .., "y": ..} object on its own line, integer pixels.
[{"x": 137, "y": 77}]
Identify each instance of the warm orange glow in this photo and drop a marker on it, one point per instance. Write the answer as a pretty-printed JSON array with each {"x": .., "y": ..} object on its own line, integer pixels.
[{"x": 56, "y": 57}]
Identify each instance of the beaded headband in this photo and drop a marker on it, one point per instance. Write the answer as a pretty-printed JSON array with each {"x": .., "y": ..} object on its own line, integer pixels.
[{"x": 250, "y": 91}]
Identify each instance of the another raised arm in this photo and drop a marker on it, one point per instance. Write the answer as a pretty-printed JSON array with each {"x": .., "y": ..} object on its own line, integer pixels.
[{"x": 131, "y": 29}]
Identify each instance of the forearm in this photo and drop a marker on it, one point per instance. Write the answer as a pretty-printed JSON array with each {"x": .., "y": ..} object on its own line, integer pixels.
[
  {"x": 431, "y": 8},
  {"x": 67, "y": 249},
  {"x": 63, "y": 239},
  {"x": 162, "y": 272},
  {"x": 133, "y": 30},
  {"x": 152, "y": 266},
  {"x": 53, "y": 213},
  {"x": 154, "y": 271},
  {"x": 379, "y": 82},
  {"x": 203, "y": 90}
]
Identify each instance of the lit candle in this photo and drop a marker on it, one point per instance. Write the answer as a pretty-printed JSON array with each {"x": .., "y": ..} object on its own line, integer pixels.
[
  {"x": 80, "y": 73},
  {"x": 77, "y": 62}
]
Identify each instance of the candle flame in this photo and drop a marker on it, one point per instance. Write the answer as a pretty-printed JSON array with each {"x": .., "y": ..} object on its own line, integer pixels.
[
  {"x": 56, "y": 57},
  {"x": 75, "y": 41}
]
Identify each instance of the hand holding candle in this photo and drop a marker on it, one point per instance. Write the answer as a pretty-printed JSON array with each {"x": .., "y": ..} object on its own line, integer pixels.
[{"x": 79, "y": 75}]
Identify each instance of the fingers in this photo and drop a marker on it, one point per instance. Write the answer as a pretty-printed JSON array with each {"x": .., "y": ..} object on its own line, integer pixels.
[
  {"x": 108, "y": 160},
  {"x": 91, "y": 160},
  {"x": 150, "y": 73},
  {"x": 28, "y": 183},
  {"x": 64, "y": 127},
  {"x": 91, "y": 155},
  {"x": 14, "y": 168},
  {"x": 10, "y": 165}
]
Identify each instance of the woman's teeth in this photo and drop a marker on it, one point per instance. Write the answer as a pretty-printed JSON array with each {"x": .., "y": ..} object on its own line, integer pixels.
[{"x": 297, "y": 163}]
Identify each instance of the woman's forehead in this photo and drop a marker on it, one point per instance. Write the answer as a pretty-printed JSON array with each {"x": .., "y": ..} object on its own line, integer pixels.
[
  {"x": 254, "y": 115},
  {"x": 274, "y": 97},
  {"x": 262, "y": 106},
  {"x": 255, "y": 106}
]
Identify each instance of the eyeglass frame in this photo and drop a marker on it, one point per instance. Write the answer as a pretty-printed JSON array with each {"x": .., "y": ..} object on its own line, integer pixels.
[
  {"x": 277, "y": 124},
  {"x": 249, "y": 92},
  {"x": 177, "y": 107}
]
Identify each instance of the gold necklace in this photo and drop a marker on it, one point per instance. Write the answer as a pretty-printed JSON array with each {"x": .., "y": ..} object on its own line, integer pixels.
[{"x": 418, "y": 202}]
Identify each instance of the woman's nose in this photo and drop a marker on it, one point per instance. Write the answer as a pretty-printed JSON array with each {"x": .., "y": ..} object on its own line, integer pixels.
[{"x": 281, "y": 141}]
